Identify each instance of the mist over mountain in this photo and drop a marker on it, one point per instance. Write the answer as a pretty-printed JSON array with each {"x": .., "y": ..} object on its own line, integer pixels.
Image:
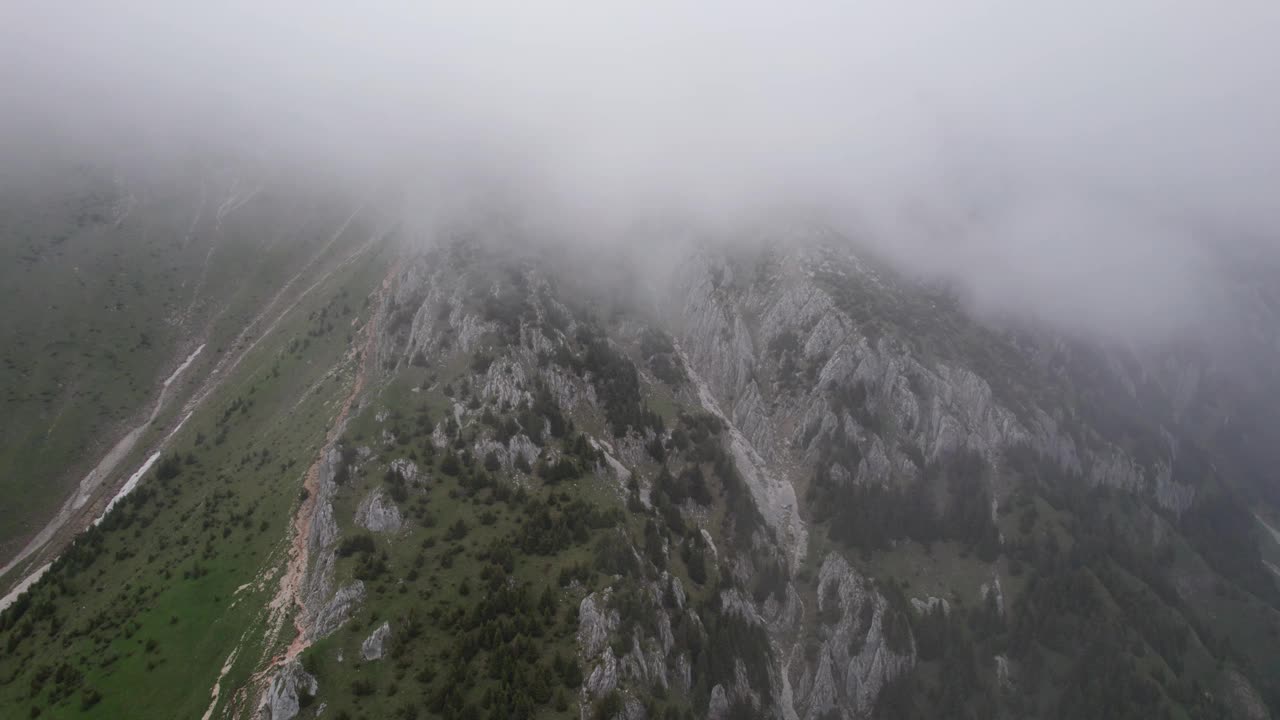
[
  {"x": 1085, "y": 162},
  {"x": 650, "y": 361}
]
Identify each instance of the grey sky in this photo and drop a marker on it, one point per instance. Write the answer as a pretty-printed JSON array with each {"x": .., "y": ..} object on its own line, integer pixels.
[{"x": 1081, "y": 156}]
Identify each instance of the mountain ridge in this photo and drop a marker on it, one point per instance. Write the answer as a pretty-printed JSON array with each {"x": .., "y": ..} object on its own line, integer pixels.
[{"x": 787, "y": 483}]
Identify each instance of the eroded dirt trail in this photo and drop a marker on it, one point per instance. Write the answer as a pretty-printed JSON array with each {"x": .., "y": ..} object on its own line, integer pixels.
[
  {"x": 288, "y": 599},
  {"x": 296, "y": 570}
]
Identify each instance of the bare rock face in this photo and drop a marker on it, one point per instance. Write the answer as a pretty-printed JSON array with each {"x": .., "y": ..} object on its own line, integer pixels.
[
  {"x": 595, "y": 623},
  {"x": 1243, "y": 699},
  {"x": 338, "y": 610},
  {"x": 604, "y": 677},
  {"x": 281, "y": 699},
  {"x": 857, "y": 658},
  {"x": 774, "y": 495},
  {"x": 518, "y": 448},
  {"x": 504, "y": 383},
  {"x": 718, "y": 705},
  {"x": 993, "y": 591},
  {"x": 736, "y": 329},
  {"x": 1003, "y": 674},
  {"x": 374, "y": 646},
  {"x": 326, "y": 608},
  {"x": 929, "y": 604},
  {"x": 378, "y": 513},
  {"x": 771, "y": 347},
  {"x": 408, "y": 469}
]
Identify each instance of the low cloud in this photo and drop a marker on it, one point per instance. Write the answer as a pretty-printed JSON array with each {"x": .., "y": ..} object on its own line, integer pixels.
[{"x": 1089, "y": 161}]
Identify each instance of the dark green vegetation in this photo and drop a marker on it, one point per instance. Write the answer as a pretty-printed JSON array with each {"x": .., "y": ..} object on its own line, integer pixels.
[{"x": 479, "y": 621}]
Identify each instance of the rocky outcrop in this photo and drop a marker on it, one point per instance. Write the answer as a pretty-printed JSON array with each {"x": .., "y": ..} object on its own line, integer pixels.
[
  {"x": 929, "y": 604},
  {"x": 603, "y": 677},
  {"x": 596, "y": 622},
  {"x": 326, "y": 608},
  {"x": 856, "y": 658},
  {"x": 374, "y": 646},
  {"x": 338, "y": 610},
  {"x": 774, "y": 495},
  {"x": 736, "y": 328},
  {"x": 519, "y": 447},
  {"x": 1004, "y": 675},
  {"x": 993, "y": 592},
  {"x": 378, "y": 513},
  {"x": 408, "y": 470},
  {"x": 650, "y": 659},
  {"x": 810, "y": 351},
  {"x": 1242, "y": 698},
  {"x": 718, "y": 705},
  {"x": 281, "y": 701}
]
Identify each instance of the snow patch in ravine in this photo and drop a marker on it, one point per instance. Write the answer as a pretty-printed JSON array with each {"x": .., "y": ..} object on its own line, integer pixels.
[
  {"x": 1275, "y": 534},
  {"x": 23, "y": 586},
  {"x": 132, "y": 483},
  {"x": 185, "y": 364},
  {"x": 128, "y": 486}
]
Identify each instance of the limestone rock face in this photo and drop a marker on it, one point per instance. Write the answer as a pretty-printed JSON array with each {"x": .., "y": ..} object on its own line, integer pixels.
[
  {"x": 378, "y": 513},
  {"x": 718, "y": 705},
  {"x": 994, "y": 592},
  {"x": 604, "y": 676},
  {"x": 408, "y": 469},
  {"x": 280, "y": 701},
  {"x": 929, "y": 604},
  {"x": 812, "y": 350},
  {"x": 596, "y": 623},
  {"x": 338, "y": 610},
  {"x": 1244, "y": 699},
  {"x": 326, "y": 608},
  {"x": 748, "y": 338},
  {"x": 856, "y": 659},
  {"x": 374, "y": 646}
]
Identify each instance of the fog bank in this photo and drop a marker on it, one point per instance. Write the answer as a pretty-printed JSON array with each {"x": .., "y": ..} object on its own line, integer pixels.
[{"x": 1090, "y": 162}]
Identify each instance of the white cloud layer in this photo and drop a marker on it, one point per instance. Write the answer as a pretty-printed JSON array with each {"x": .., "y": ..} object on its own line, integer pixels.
[{"x": 1080, "y": 158}]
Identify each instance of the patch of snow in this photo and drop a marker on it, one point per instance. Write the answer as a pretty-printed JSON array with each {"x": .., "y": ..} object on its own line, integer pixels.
[
  {"x": 128, "y": 486},
  {"x": 23, "y": 586}
]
